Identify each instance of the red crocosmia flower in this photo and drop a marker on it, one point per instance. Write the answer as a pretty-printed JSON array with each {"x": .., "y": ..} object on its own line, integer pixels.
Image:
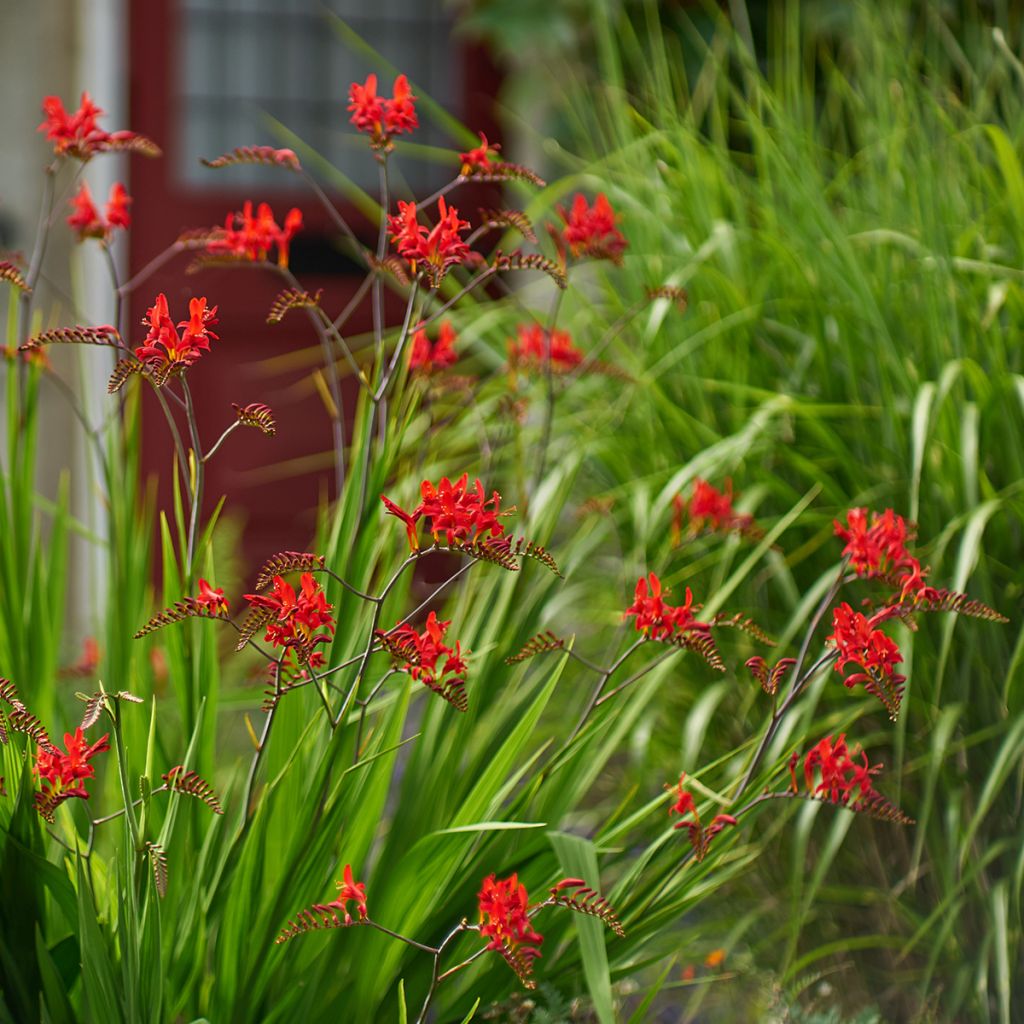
[
  {"x": 78, "y": 134},
  {"x": 657, "y": 618},
  {"x": 409, "y": 518},
  {"x": 426, "y": 357},
  {"x": 62, "y": 775},
  {"x": 366, "y": 107},
  {"x": 246, "y": 236},
  {"x": 437, "y": 248},
  {"x": 714, "y": 508},
  {"x": 478, "y": 160},
  {"x": 75, "y": 134},
  {"x": 350, "y": 889},
  {"x": 700, "y": 837},
  {"x": 878, "y": 547},
  {"x": 117, "y": 207},
  {"x": 166, "y": 351},
  {"x": 591, "y": 231},
  {"x": 303, "y": 620},
  {"x": 459, "y": 512},
  {"x": 86, "y": 219},
  {"x": 212, "y": 600},
  {"x": 529, "y": 350},
  {"x": 424, "y": 652},
  {"x": 378, "y": 117},
  {"x": 400, "y": 111},
  {"x": 858, "y": 642},
  {"x": 841, "y": 778},
  {"x": 505, "y": 918},
  {"x": 88, "y": 660}
]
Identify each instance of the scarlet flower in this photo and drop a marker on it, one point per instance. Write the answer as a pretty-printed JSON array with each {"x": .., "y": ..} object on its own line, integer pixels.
[
  {"x": 478, "y": 159},
  {"x": 591, "y": 231},
  {"x": 117, "y": 207},
  {"x": 426, "y": 356},
  {"x": 212, "y": 600},
  {"x": 858, "y": 642},
  {"x": 504, "y": 915},
  {"x": 86, "y": 219},
  {"x": 877, "y": 548},
  {"x": 459, "y": 512},
  {"x": 78, "y": 134},
  {"x": 299, "y": 617},
  {"x": 378, "y": 117},
  {"x": 166, "y": 351},
  {"x": 841, "y": 778},
  {"x": 530, "y": 349},
  {"x": 409, "y": 518},
  {"x": 248, "y": 237},
  {"x": 350, "y": 889},
  {"x": 655, "y": 617},
  {"x": 62, "y": 775},
  {"x": 400, "y": 110},
  {"x": 699, "y": 836},
  {"x": 424, "y": 652},
  {"x": 714, "y": 508},
  {"x": 437, "y": 248},
  {"x": 88, "y": 660}
]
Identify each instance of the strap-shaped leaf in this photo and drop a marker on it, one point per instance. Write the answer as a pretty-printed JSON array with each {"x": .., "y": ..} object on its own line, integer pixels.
[
  {"x": 509, "y": 219},
  {"x": 158, "y": 860},
  {"x": 186, "y": 608},
  {"x": 78, "y": 335},
  {"x": 507, "y": 172},
  {"x": 265, "y": 155},
  {"x": 257, "y": 415},
  {"x": 517, "y": 260},
  {"x": 186, "y": 781},
  {"x": 289, "y": 299},
  {"x": 585, "y": 900},
  {"x": 288, "y": 561},
  {"x": 12, "y": 275},
  {"x": 124, "y": 369},
  {"x": 744, "y": 625},
  {"x": 539, "y": 644}
]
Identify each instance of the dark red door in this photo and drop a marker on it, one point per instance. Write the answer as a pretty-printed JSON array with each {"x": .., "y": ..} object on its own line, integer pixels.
[{"x": 209, "y": 75}]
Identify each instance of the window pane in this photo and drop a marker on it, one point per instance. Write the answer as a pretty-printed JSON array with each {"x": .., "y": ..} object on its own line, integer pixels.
[{"x": 245, "y": 62}]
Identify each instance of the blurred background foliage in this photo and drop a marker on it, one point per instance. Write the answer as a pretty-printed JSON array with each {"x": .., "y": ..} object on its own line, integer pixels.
[{"x": 839, "y": 188}]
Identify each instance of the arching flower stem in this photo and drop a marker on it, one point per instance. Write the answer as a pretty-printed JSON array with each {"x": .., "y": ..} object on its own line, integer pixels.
[{"x": 799, "y": 680}]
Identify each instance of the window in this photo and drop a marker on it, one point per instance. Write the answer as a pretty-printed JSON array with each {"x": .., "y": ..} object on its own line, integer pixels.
[{"x": 247, "y": 63}]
